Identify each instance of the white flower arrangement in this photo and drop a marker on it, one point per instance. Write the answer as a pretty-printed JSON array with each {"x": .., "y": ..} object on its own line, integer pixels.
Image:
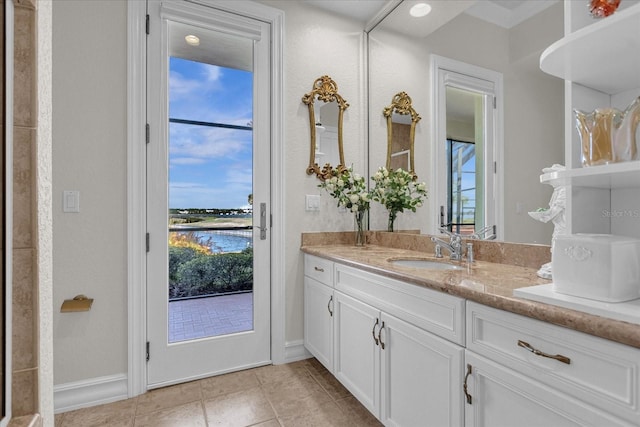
[
  {"x": 349, "y": 189},
  {"x": 396, "y": 190}
]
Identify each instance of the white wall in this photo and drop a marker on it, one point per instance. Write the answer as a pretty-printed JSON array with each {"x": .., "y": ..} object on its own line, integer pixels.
[
  {"x": 45, "y": 236},
  {"x": 89, "y": 155},
  {"x": 316, "y": 43}
]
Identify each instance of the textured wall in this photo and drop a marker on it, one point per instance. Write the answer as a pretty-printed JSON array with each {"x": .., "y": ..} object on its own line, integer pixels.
[
  {"x": 44, "y": 221},
  {"x": 316, "y": 43},
  {"x": 89, "y": 155}
]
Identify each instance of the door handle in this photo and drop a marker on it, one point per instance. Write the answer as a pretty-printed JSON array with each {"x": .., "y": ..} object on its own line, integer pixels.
[
  {"x": 263, "y": 221},
  {"x": 558, "y": 357},
  {"x": 465, "y": 387},
  {"x": 380, "y": 335},
  {"x": 373, "y": 331}
]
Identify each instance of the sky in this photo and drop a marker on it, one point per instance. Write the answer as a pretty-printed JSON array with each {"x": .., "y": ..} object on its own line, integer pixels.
[{"x": 209, "y": 167}]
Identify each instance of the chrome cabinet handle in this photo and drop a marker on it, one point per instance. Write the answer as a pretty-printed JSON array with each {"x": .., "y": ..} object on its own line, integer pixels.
[
  {"x": 321, "y": 270},
  {"x": 329, "y": 306},
  {"x": 558, "y": 357},
  {"x": 464, "y": 386},
  {"x": 379, "y": 335},
  {"x": 373, "y": 331}
]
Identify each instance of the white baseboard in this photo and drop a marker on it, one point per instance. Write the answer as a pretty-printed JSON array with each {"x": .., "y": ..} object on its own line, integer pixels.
[
  {"x": 294, "y": 351},
  {"x": 91, "y": 392},
  {"x": 101, "y": 390}
]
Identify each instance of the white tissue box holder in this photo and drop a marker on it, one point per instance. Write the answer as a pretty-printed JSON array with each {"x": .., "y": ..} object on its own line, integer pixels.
[{"x": 602, "y": 267}]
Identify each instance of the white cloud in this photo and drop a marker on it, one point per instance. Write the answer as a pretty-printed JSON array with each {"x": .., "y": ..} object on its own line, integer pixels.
[
  {"x": 208, "y": 143},
  {"x": 184, "y": 185},
  {"x": 240, "y": 176},
  {"x": 213, "y": 73},
  {"x": 179, "y": 86},
  {"x": 187, "y": 161}
]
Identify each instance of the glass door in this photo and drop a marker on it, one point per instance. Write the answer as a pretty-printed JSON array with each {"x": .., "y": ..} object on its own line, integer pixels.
[{"x": 208, "y": 193}]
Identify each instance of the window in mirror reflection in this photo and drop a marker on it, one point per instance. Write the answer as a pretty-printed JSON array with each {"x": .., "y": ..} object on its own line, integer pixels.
[
  {"x": 461, "y": 186},
  {"x": 467, "y": 122}
]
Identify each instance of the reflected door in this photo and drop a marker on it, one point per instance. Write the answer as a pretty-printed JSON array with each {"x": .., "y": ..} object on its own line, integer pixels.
[
  {"x": 208, "y": 288},
  {"x": 467, "y": 155}
]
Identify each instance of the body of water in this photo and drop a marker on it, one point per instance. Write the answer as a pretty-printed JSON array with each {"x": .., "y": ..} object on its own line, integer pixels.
[{"x": 226, "y": 240}]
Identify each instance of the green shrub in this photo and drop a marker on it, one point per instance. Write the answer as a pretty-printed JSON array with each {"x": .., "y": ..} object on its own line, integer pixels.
[
  {"x": 212, "y": 274},
  {"x": 177, "y": 257}
]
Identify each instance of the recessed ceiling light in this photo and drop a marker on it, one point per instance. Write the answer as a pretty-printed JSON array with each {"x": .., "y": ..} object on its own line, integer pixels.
[
  {"x": 192, "y": 40},
  {"x": 419, "y": 10}
]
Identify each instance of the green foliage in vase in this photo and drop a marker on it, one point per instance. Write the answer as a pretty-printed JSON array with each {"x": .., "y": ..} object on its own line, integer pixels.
[{"x": 396, "y": 190}]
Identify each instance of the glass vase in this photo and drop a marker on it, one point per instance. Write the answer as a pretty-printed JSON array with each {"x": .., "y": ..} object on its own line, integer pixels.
[
  {"x": 596, "y": 130},
  {"x": 359, "y": 228},
  {"x": 392, "y": 219}
]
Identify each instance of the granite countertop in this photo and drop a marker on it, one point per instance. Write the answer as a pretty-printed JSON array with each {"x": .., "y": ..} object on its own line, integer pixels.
[{"x": 485, "y": 282}]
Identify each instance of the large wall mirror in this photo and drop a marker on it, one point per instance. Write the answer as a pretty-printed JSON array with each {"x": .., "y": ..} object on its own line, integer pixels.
[{"x": 507, "y": 39}]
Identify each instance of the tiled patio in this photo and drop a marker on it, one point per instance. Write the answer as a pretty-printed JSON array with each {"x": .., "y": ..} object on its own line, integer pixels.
[{"x": 211, "y": 316}]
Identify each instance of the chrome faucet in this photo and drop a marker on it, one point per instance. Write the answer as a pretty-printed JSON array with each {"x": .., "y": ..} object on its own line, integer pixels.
[
  {"x": 482, "y": 233},
  {"x": 454, "y": 246}
]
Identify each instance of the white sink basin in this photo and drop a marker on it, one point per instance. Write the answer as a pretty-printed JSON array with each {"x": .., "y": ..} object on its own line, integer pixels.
[{"x": 423, "y": 263}]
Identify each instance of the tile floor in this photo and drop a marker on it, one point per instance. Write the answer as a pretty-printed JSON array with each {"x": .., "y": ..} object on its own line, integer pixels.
[
  {"x": 302, "y": 393},
  {"x": 207, "y": 317}
]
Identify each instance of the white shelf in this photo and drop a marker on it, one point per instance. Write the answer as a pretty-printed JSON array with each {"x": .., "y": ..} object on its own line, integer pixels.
[
  {"x": 628, "y": 311},
  {"x": 615, "y": 176},
  {"x": 604, "y": 55}
]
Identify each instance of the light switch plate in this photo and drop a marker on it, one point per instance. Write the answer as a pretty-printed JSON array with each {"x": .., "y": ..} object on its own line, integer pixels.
[
  {"x": 71, "y": 201},
  {"x": 312, "y": 202}
]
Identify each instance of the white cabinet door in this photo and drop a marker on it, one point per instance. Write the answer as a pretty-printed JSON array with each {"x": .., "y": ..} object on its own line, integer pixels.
[
  {"x": 501, "y": 397},
  {"x": 356, "y": 355},
  {"x": 318, "y": 321},
  {"x": 421, "y": 377}
]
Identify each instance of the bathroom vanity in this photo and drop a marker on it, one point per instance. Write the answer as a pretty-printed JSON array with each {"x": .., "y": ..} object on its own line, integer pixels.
[{"x": 455, "y": 347}]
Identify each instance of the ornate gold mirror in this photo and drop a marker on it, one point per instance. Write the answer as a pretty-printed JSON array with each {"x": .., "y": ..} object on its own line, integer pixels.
[
  {"x": 325, "y": 123},
  {"x": 401, "y": 132}
]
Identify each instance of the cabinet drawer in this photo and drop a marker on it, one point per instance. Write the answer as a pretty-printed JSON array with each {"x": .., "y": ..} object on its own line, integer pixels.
[
  {"x": 602, "y": 373},
  {"x": 430, "y": 310},
  {"x": 319, "y": 269}
]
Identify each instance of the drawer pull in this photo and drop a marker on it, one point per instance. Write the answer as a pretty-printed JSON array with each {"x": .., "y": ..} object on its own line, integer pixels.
[
  {"x": 464, "y": 386},
  {"x": 558, "y": 357},
  {"x": 379, "y": 335},
  {"x": 321, "y": 270},
  {"x": 329, "y": 306},
  {"x": 373, "y": 331}
]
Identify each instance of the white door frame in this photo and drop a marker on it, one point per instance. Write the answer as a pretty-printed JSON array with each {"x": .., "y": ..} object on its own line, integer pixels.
[
  {"x": 136, "y": 182},
  {"x": 462, "y": 75}
]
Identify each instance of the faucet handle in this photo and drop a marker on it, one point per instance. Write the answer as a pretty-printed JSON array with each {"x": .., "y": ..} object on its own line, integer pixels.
[
  {"x": 482, "y": 233},
  {"x": 438, "y": 251},
  {"x": 446, "y": 231}
]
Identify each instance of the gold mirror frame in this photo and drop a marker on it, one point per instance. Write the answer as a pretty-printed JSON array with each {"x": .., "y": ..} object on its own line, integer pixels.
[
  {"x": 326, "y": 90},
  {"x": 401, "y": 104}
]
